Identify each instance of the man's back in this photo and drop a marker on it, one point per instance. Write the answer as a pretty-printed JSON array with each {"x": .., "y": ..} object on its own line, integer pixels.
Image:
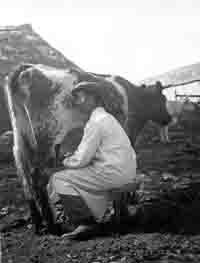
[{"x": 115, "y": 153}]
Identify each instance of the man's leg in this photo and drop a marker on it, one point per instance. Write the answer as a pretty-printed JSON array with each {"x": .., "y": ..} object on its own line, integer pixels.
[
  {"x": 80, "y": 217},
  {"x": 60, "y": 218},
  {"x": 77, "y": 211}
]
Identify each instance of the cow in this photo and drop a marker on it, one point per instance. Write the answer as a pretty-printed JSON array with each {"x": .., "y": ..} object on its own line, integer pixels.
[
  {"x": 175, "y": 110},
  {"x": 42, "y": 115},
  {"x": 141, "y": 104}
]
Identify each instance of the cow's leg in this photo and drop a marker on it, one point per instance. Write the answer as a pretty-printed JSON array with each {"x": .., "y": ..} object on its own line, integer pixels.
[
  {"x": 164, "y": 134},
  {"x": 42, "y": 199},
  {"x": 34, "y": 182},
  {"x": 46, "y": 213},
  {"x": 23, "y": 170},
  {"x": 166, "y": 129},
  {"x": 35, "y": 215},
  {"x": 57, "y": 154},
  {"x": 135, "y": 126},
  {"x": 162, "y": 137},
  {"x": 35, "y": 196}
]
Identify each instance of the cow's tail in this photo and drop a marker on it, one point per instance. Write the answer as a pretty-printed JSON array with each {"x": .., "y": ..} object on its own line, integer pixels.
[
  {"x": 24, "y": 137},
  {"x": 25, "y": 151}
]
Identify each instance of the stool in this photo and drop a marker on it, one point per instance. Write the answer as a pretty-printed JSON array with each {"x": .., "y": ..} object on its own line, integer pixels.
[{"x": 119, "y": 197}]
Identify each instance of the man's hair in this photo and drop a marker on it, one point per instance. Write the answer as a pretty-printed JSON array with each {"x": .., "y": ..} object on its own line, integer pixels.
[
  {"x": 106, "y": 96},
  {"x": 98, "y": 98}
]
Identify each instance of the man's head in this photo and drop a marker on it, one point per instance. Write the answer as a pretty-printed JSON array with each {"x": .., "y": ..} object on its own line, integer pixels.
[{"x": 86, "y": 97}]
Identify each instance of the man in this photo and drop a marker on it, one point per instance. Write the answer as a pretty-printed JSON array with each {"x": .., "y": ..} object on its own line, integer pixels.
[{"x": 104, "y": 160}]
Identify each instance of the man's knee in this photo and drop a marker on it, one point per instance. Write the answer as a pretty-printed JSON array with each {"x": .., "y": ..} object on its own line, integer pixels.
[{"x": 61, "y": 174}]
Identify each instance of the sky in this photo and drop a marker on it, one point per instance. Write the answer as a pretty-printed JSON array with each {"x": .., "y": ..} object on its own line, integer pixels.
[{"x": 133, "y": 38}]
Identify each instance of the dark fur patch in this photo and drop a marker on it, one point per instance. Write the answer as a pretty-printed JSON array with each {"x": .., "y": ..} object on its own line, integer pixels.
[{"x": 145, "y": 103}]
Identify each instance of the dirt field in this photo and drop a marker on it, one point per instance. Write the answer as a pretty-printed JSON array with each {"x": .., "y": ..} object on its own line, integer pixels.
[{"x": 179, "y": 157}]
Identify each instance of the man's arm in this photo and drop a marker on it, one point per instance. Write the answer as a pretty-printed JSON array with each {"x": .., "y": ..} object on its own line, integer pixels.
[{"x": 86, "y": 149}]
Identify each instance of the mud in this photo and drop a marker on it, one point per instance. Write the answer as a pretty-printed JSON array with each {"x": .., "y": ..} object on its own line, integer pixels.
[{"x": 164, "y": 166}]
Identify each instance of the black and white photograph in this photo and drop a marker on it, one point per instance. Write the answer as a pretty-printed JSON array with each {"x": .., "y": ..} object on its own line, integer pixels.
[{"x": 100, "y": 131}]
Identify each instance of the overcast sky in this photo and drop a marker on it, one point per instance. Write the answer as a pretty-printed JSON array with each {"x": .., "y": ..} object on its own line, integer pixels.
[{"x": 133, "y": 38}]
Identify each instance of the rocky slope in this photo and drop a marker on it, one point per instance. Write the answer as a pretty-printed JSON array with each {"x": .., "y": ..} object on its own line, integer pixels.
[{"x": 178, "y": 75}]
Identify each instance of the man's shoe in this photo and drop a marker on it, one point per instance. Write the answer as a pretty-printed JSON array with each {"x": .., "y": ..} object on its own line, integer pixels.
[
  {"x": 82, "y": 232},
  {"x": 60, "y": 228}
]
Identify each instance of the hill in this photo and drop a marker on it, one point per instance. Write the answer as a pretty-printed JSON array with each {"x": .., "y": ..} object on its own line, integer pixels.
[
  {"x": 176, "y": 76},
  {"x": 20, "y": 44}
]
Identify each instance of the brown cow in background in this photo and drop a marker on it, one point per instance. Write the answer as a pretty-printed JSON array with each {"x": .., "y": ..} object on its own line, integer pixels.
[{"x": 175, "y": 110}]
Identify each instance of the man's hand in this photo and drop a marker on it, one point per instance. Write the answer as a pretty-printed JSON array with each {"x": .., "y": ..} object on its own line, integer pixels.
[
  {"x": 70, "y": 162},
  {"x": 66, "y": 161}
]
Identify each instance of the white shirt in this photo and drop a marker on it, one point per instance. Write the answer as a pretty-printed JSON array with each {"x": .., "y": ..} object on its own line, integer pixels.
[{"x": 105, "y": 147}]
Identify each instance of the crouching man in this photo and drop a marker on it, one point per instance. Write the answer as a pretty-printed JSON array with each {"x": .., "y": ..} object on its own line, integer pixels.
[{"x": 104, "y": 160}]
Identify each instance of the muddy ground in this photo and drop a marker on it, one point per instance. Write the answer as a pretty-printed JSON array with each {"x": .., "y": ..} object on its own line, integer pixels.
[{"x": 20, "y": 244}]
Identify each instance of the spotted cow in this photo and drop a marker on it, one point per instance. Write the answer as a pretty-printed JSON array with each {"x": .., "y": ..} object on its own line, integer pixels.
[
  {"x": 141, "y": 104},
  {"x": 42, "y": 117}
]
